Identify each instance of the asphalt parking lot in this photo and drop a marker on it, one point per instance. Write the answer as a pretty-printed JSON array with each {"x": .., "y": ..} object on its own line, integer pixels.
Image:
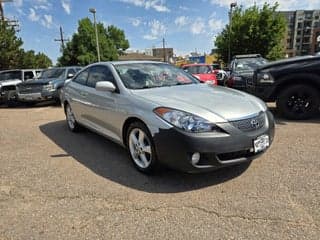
[{"x": 55, "y": 184}]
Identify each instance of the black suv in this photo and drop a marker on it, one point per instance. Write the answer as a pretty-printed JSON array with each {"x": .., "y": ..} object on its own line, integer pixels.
[
  {"x": 294, "y": 84},
  {"x": 241, "y": 70}
]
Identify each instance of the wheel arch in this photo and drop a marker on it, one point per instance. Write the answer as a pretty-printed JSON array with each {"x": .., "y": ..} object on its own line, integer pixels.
[
  {"x": 65, "y": 103},
  {"x": 126, "y": 125},
  {"x": 312, "y": 80}
]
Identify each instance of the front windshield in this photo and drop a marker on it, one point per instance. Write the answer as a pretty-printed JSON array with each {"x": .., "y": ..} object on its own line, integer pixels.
[
  {"x": 53, "y": 73},
  {"x": 200, "y": 69},
  {"x": 150, "y": 75},
  {"x": 12, "y": 75},
  {"x": 249, "y": 64}
]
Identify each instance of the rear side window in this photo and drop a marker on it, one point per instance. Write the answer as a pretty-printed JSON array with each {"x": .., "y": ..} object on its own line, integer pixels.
[
  {"x": 82, "y": 77},
  {"x": 28, "y": 75},
  {"x": 98, "y": 74}
]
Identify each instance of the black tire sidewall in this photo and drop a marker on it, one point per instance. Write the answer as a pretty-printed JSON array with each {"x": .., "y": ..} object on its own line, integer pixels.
[
  {"x": 287, "y": 93},
  {"x": 154, "y": 163}
]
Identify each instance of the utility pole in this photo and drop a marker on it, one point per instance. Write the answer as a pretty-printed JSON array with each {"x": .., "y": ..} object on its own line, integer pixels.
[
  {"x": 1, "y": 9},
  {"x": 164, "y": 50},
  {"x": 62, "y": 40},
  {"x": 232, "y": 5},
  {"x": 93, "y": 11}
]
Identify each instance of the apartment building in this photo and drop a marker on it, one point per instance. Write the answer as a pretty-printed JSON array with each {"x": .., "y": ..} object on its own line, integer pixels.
[{"x": 303, "y": 32}]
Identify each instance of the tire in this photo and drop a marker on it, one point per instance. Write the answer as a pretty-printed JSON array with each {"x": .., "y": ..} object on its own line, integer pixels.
[
  {"x": 298, "y": 102},
  {"x": 73, "y": 125},
  {"x": 141, "y": 148},
  {"x": 12, "y": 99},
  {"x": 57, "y": 99}
]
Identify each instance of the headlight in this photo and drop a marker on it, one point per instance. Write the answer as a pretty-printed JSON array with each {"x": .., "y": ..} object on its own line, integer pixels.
[
  {"x": 186, "y": 121},
  {"x": 48, "y": 87},
  {"x": 265, "y": 77}
]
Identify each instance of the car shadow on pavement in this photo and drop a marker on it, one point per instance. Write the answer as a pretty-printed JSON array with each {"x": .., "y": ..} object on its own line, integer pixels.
[
  {"x": 32, "y": 105},
  {"x": 111, "y": 161}
]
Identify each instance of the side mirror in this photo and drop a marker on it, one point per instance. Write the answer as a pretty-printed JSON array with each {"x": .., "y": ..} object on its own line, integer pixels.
[
  {"x": 70, "y": 75},
  {"x": 105, "y": 86}
]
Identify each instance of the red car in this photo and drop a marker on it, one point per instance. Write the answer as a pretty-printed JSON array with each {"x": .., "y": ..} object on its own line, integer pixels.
[{"x": 204, "y": 72}]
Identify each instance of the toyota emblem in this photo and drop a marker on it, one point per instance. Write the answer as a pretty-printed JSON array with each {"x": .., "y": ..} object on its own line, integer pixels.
[{"x": 254, "y": 123}]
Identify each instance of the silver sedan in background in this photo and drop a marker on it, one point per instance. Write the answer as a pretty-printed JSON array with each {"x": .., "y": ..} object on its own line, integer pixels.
[{"x": 164, "y": 116}]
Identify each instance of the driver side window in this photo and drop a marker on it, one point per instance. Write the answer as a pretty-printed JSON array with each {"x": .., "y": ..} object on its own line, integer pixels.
[{"x": 98, "y": 74}]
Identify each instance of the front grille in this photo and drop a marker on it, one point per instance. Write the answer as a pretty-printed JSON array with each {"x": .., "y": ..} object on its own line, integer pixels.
[
  {"x": 30, "y": 89},
  {"x": 250, "y": 124}
]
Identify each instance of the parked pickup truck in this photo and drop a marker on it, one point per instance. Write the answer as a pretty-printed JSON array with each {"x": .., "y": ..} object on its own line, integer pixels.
[
  {"x": 9, "y": 79},
  {"x": 294, "y": 84},
  {"x": 47, "y": 86}
]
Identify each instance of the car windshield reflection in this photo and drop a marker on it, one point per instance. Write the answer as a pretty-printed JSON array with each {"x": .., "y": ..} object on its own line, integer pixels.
[{"x": 152, "y": 75}]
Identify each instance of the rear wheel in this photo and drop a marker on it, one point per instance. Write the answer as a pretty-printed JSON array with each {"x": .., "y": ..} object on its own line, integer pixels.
[
  {"x": 299, "y": 102},
  {"x": 141, "y": 148},
  {"x": 71, "y": 120},
  {"x": 12, "y": 99}
]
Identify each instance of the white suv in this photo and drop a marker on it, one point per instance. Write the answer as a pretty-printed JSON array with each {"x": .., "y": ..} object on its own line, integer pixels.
[{"x": 10, "y": 78}]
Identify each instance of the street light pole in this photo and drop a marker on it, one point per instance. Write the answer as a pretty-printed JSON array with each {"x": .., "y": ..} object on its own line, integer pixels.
[
  {"x": 93, "y": 11},
  {"x": 232, "y": 5}
]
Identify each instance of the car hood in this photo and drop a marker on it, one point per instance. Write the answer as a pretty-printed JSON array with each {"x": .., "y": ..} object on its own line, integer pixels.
[
  {"x": 295, "y": 60},
  {"x": 214, "y": 103},
  {"x": 10, "y": 82},
  {"x": 205, "y": 76}
]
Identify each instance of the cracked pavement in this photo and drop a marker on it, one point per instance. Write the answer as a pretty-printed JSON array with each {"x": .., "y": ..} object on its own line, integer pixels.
[{"x": 55, "y": 184}]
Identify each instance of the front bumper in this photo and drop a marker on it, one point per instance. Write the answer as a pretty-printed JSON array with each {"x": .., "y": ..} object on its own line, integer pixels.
[
  {"x": 37, "y": 97},
  {"x": 175, "y": 147}
]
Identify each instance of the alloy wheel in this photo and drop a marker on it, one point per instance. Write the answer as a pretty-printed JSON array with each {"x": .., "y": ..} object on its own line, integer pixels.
[{"x": 140, "y": 148}]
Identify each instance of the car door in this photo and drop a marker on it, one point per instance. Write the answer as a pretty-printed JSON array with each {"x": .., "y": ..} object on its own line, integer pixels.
[
  {"x": 102, "y": 110},
  {"x": 77, "y": 95}
]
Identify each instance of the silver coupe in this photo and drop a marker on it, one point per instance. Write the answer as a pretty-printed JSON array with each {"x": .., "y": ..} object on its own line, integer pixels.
[{"x": 165, "y": 116}]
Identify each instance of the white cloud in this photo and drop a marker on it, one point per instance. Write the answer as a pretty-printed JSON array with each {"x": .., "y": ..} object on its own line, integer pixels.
[
  {"x": 66, "y": 6},
  {"x": 33, "y": 15},
  {"x": 18, "y": 3},
  {"x": 283, "y": 4},
  {"x": 158, "y": 5},
  {"x": 181, "y": 21},
  {"x": 183, "y": 8},
  {"x": 136, "y": 22},
  {"x": 157, "y": 29},
  {"x": 216, "y": 25},
  {"x": 46, "y": 21},
  {"x": 198, "y": 26}
]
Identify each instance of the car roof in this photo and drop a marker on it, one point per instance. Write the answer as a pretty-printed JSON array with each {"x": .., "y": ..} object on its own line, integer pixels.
[
  {"x": 247, "y": 56},
  {"x": 196, "y": 64},
  {"x": 14, "y": 70}
]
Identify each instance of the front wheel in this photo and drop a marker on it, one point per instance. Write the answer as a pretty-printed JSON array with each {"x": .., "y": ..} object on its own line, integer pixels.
[
  {"x": 299, "y": 102},
  {"x": 141, "y": 148},
  {"x": 71, "y": 120}
]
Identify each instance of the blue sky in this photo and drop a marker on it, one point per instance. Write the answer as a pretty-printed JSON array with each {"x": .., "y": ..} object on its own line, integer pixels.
[{"x": 187, "y": 25}]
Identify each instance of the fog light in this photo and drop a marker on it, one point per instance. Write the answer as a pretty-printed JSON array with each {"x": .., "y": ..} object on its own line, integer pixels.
[{"x": 195, "y": 158}]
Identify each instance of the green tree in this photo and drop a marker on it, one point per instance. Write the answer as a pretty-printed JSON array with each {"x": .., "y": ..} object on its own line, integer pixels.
[
  {"x": 81, "y": 50},
  {"x": 10, "y": 46},
  {"x": 12, "y": 55},
  {"x": 254, "y": 30},
  {"x": 29, "y": 59}
]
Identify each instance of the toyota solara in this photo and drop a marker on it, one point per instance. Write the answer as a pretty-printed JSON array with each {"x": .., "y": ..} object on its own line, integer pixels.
[{"x": 165, "y": 116}]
